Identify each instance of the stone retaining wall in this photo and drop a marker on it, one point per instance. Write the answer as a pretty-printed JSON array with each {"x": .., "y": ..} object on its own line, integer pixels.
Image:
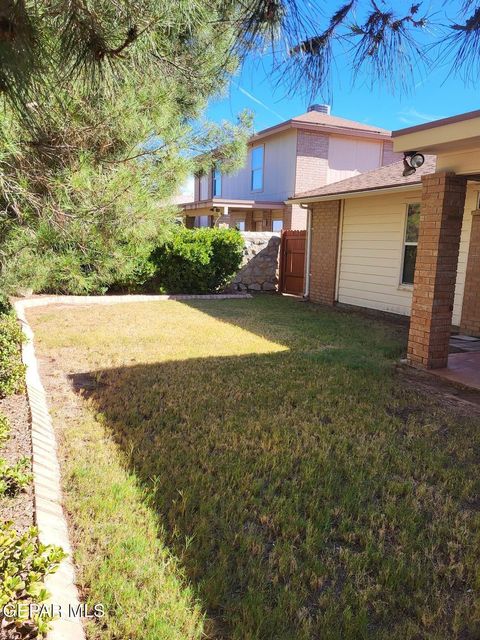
[{"x": 259, "y": 270}]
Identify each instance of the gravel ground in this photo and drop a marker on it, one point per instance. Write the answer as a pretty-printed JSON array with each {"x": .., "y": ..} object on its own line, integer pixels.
[{"x": 20, "y": 508}]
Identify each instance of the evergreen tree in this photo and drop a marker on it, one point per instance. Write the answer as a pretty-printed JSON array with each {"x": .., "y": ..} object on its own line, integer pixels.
[{"x": 99, "y": 98}]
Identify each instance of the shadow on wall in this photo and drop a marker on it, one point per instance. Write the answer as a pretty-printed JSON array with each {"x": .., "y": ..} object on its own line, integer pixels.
[{"x": 259, "y": 269}]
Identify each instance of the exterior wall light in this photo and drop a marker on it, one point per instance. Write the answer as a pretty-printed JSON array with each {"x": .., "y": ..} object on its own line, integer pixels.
[{"x": 412, "y": 160}]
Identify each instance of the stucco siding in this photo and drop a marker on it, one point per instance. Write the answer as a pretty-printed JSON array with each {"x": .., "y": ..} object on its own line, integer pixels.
[{"x": 371, "y": 252}]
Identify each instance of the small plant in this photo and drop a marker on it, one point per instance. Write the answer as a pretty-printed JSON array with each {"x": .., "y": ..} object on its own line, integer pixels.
[
  {"x": 24, "y": 563},
  {"x": 12, "y": 371},
  {"x": 5, "y": 306},
  {"x": 197, "y": 261},
  {"x": 4, "y": 429},
  {"x": 14, "y": 478}
]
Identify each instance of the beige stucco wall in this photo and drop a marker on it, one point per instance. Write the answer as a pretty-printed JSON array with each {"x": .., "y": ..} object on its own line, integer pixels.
[{"x": 371, "y": 252}]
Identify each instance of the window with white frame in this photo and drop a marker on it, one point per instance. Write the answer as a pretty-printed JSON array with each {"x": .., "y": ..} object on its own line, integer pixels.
[
  {"x": 240, "y": 225},
  {"x": 256, "y": 182},
  {"x": 216, "y": 182},
  {"x": 277, "y": 225},
  {"x": 410, "y": 243}
]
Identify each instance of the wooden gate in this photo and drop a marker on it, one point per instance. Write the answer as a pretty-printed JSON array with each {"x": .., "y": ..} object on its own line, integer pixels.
[{"x": 292, "y": 262}]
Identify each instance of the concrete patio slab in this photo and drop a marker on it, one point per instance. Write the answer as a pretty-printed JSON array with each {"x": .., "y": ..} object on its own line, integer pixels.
[{"x": 463, "y": 368}]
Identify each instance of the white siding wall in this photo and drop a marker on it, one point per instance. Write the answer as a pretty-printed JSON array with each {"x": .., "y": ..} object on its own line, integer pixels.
[
  {"x": 279, "y": 172},
  {"x": 371, "y": 252},
  {"x": 348, "y": 157}
]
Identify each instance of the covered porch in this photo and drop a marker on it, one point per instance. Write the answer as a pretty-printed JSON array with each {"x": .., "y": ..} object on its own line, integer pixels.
[
  {"x": 445, "y": 220},
  {"x": 245, "y": 215}
]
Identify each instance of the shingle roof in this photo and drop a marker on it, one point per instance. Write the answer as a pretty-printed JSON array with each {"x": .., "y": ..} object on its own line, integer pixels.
[
  {"x": 315, "y": 120},
  {"x": 316, "y": 117},
  {"x": 382, "y": 178}
]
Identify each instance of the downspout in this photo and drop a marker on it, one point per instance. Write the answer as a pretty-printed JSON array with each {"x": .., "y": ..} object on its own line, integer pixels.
[{"x": 308, "y": 251}]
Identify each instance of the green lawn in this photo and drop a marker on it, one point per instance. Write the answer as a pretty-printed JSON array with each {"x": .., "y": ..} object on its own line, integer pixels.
[{"x": 257, "y": 469}]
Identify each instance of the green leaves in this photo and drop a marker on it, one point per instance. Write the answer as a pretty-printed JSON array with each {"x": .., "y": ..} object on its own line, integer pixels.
[
  {"x": 12, "y": 371},
  {"x": 197, "y": 261},
  {"x": 24, "y": 563},
  {"x": 14, "y": 478}
]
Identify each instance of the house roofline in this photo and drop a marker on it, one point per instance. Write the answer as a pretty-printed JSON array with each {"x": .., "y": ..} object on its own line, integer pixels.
[
  {"x": 233, "y": 204},
  {"x": 344, "y": 195},
  {"x": 469, "y": 115},
  {"x": 322, "y": 128}
]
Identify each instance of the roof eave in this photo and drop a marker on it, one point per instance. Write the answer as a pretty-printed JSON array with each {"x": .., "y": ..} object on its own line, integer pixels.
[
  {"x": 321, "y": 128},
  {"x": 343, "y": 195}
]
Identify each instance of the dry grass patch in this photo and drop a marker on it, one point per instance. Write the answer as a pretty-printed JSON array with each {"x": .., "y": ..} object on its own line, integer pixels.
[{"x": 268, "y": 446}]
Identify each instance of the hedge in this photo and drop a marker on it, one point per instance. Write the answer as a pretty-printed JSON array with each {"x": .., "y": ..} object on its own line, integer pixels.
[
  {"x": 12, "y": 371},
  {"x": 197, "y": 260}
]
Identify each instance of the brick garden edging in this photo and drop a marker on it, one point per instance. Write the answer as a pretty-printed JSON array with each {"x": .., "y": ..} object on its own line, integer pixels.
[{"x": 50, "y": 519}]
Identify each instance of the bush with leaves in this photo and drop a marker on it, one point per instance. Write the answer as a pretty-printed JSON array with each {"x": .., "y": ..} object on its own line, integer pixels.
[
  {"x": 24, "y": 563},
  {"x": 14, "y": 478},
  {"x": 197, "y": 260},
  {"x": 5, "y": 305},
  {"x": 4, "y": 429},
  {"x": 12, "y": 371}
]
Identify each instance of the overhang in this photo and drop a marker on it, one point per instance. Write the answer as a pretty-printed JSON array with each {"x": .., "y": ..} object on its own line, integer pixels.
[
  {"x": 455, "y": 141},
  {"x": 223, "y": 203},
  {"x": 345, "y": 195}
]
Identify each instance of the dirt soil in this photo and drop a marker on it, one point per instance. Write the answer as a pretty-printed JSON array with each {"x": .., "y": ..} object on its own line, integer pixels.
[{"x": 20, "y": 508}]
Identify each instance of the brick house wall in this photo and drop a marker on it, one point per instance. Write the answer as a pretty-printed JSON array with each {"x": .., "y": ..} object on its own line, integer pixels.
[
  {"x": 312, "y": 160},
  {"x": 470, "y": 322},
  {"x": 325, "y": 226},
  {"x": 442, "y": 207}
]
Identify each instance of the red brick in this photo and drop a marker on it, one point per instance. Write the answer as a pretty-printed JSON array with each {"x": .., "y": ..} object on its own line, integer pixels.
[{"x": 443, "y": 200}]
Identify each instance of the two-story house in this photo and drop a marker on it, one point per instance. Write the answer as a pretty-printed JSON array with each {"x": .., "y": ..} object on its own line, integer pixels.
[{"x": 305, "y": 152}]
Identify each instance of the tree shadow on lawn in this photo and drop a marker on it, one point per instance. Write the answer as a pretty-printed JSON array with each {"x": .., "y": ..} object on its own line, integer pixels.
[{"x": 299, "y": 496}]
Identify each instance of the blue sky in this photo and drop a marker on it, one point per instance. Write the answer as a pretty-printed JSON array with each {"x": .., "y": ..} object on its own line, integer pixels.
[{"x": 434, "y": 94}]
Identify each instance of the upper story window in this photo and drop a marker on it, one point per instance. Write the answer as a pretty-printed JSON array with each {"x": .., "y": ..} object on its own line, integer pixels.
[
  {"x": 256, "y": 181},
  {"x": 410, "y": 243},
  {"x": 216, "y": 182}
]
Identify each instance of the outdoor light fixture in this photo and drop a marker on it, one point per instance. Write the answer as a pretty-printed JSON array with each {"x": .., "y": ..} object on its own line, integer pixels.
[
  {"x": 412, "y": 160},
  {"x": 215, "y": 210}
]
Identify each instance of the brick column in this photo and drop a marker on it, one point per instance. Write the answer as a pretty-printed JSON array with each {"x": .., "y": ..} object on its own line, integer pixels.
[
  {"x": 323, "y": 260},
  {"x": 443, "y": 202},
  {"x": 470, "y": 322},
  {"x": 249, "y": 221},
  {"x": 267, "y": 221}
]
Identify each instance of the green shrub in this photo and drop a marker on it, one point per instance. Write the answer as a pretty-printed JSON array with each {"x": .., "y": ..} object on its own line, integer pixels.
[
  {"x": 4, "y": 429},
  {"x": 12, "y": 371},
  {"x": 14, "y": 478},
  {"x": 197, "y": 260},
  {"x": 24, "y": 563},
  {"x": 5, "y": 306}
]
